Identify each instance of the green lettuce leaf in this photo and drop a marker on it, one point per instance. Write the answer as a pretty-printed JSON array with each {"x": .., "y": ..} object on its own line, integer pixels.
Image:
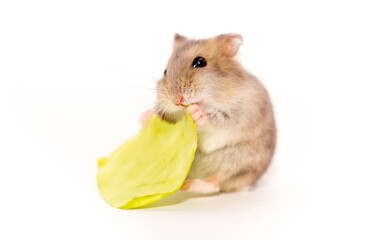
[{"x": 150, "y": 166}]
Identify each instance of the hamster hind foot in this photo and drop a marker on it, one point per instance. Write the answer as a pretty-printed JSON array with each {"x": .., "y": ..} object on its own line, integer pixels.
[{"x": 209, "y": 185}]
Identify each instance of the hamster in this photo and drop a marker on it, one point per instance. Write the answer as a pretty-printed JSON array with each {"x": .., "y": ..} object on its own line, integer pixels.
[{"x": 231, "y": 109}]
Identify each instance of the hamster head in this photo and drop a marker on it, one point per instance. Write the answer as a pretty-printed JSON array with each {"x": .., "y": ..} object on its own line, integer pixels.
[{"x": 199, "y": 71}]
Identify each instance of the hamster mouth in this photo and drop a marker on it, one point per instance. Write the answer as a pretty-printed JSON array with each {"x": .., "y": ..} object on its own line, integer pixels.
[
  {"x": 185, "y": 105},
  {"x": 184, "y": 101},
  {"x": 181, "y": 105}
]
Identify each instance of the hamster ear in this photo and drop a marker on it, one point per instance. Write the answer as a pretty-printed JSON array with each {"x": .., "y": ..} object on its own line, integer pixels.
[
  {"x": 179, "y": 39},
  {"x": 230, "y": 43}
]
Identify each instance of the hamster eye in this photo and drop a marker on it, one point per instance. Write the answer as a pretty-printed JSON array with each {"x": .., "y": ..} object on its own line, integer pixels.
[
  {"x": 165, "y": 71},
  {"x": 199, "y": 62}
]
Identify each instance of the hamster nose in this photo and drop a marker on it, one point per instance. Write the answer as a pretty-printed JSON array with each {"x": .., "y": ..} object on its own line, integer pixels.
[{"x": 179, "y": 101}]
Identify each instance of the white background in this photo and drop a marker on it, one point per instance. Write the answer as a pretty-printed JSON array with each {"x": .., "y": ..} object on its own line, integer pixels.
[{"x": 68, "y": 77}]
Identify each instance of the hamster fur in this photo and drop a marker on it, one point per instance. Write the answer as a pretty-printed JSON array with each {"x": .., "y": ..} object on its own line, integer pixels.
[{"x": 230, "y": 107}]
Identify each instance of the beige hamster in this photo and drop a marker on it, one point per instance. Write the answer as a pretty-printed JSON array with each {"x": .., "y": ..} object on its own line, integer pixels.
[{"x": 230, "y": 107}]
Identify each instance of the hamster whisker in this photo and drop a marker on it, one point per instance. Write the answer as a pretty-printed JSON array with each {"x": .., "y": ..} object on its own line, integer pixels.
[
  {"x": 143, "y": 77},
  {"x": 142, "y": 88},
  {"x": 152, "y": 77},
  {"x": 134, "y": 106}
]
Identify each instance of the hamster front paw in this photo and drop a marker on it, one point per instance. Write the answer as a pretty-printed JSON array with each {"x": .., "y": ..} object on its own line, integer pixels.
[
  {"x": 145, "y": 117},
  {"x": 198, "y": 118}
]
